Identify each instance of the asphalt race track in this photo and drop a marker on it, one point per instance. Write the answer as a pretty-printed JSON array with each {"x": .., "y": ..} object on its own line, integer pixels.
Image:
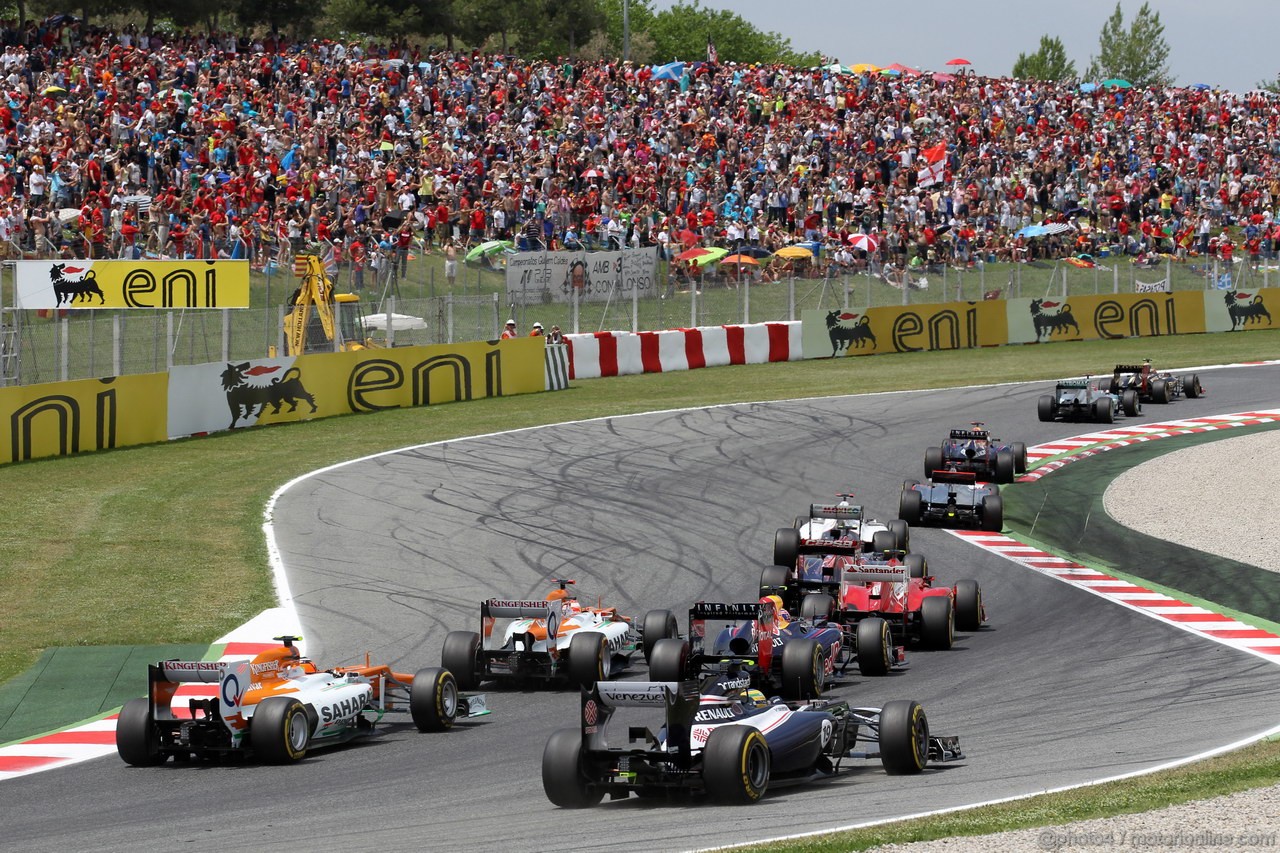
[{"x": 390, "y": 553}]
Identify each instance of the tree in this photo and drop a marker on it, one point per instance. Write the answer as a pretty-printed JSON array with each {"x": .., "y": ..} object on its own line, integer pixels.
[
  {"x": 681, "y": 32},
  {"x": 1139, "y": 54},
  {"x": 1272, "y": 85},
  {"x": 1048, "y": 63}
]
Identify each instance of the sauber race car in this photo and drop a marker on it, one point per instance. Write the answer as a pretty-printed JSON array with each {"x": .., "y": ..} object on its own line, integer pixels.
[
  {"x": 1083, "y": 400},
  {"x": 1153, "y": 386},
  {"x": 793, "y": 658},
  {"x": 556, "y": 639},
  {"x": 952, "y": 499},
  {"x": 728, "y": 743},
  {"x": 277, "y": 706},
  {"x": 975, "y": 451},
  {"x": 838, "y": 522}
]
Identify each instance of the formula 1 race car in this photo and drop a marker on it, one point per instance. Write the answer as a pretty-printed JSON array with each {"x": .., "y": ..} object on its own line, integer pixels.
[
  {"x": 556, "y": 639},
  {"x": 952, "y": 498},
  {"x": 780, "y": 656},
  {"x": 1153, "y": 386},
  {"x": 727, "y": 743},
  {"x": 975, "y": 451},
  {"x": 277, "y": 706},
  {"x": 839, "y": 522},
  {"x": 1082, "y": 399}
]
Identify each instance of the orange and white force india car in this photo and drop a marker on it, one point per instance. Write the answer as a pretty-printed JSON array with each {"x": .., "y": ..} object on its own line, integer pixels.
[
  {"x": 555, "y": 639},
  {"x": 278, "y": 705}
]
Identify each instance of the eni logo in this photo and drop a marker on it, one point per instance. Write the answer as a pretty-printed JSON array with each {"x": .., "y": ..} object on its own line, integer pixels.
[{"x": 65, "y": 413}]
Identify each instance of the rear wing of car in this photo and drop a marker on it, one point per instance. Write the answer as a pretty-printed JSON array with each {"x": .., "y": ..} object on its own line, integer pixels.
[
  {"x": 846, "y": 512},
  {"x": 1129, "y": 368},
  {"x": 233, "y": 678},
  {"x": 967, "y": 478},
  {"x": 876, "y": 572},
  {"x": 970, "y": 434},
  {"x": 678, "y": 700},
  {"x": 849, "y": 545}
]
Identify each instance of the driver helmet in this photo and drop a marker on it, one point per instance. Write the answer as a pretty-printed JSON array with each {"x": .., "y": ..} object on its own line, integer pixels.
[{"x": 782, "y": 616}]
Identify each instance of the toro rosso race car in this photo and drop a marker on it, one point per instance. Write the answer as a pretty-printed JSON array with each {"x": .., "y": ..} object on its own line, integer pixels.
[
  {"x": 1153, "y": 386},
  {"x": 838, "y": 522},
  {"x": 952, "y": 499},
  {"x": 728, "y": 743},
  {"x": 556, "y": 639},
  {"x": 793, "y": 658},
  {"x": 1083, "y": 400},
  {"x": 277, "y": 706},
  {"x": 975, "y": 451}
]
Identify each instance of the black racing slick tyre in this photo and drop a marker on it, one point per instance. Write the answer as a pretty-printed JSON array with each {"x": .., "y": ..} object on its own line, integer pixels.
[
  {"x": 933, "y": 460},
  {"x": 968, "y": 605},
  {"x": 1045, "y": 408},
  {"x": 917, "y": 566},
  {"x": 1005, "y": 466},
  {"x": 873, "y": 646},
  {"x": 904, "y": 737},
  {"x": 563, "y": 779},
  {"x": 911, "y": 506},
  {"x": 669, "y": 660},
  {"x": 881, "y": 541},
  {"x": 433, "y": 699},
  {"x": 137, "y": 740},
  {"x": 658, "y": 625},
  {"x": 589, "y": 658},
  {"x": 1019, "y": 457},
  {"x": 461, "y": 656},
  {"x": 773, "y": 577},
  {"x": 735, "y": 765},
  {"x": 1191, "y": 386},
  {"x": 786, "y": 546},
  {"x": 901, "y": 531},
  {"x": 802, "y": 669},
  {"x": 993, "y": 513},
  {"x": 280, "y": 731},
  {"x": 1130, "y": 403},
  {"x": 1159, "y": 391},
  {"x": 937, "y": 622},
  {"x": 816, "y": 607},
  {"x": 1104, "y": 410}
]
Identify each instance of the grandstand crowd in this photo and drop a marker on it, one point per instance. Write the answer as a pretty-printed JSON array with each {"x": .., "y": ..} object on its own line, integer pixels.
[{"x": 124, "y": 144}]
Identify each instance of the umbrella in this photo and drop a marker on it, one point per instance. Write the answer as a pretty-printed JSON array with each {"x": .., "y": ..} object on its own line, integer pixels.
[
  {"x": 943, "y": 78},
  {"x": 68, "y": 215},
  {"x": 865, "y": 242},
  {"x": 399, "y": 322},
  {"x": 708, "y": 256},
  {"x": 837, "y": 68},
  {"x": 793, "y": 252},
  {"x": 1088, "y": 87},
  {"x": 1118, "y": 83},
  {"x": 688, "y": 237},
  {"x": 923, "y": 120},
  {"x": 591, "y": 173},
  {"x": 755, "y": 251},
  {"x": 670, "y": 71},
  {"x": 1201, "y": 86},
  {"x": 385, "y": 146},
  {"x": 54, "y": 90},
  {"x": 958, "y": 61},
  {"x": 864, "y": 67},
  {"x": 1032, "y": 231},
  {"x": 692, "y": 254},
  {"x": 890, "y": 72},
  {"x": 901, "y": 69},
  {"x": 742, "y": 260},
  {"x": 492, "y": 247}
]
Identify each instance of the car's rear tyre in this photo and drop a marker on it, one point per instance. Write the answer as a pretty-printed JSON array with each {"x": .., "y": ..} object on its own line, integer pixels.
[
  {"x": 786, "y": 546},
  {"x": 817, "y": 607},
  {"x": 1045, "y": 407},
  {"x": 280, "y": 730},
  {"x": 901, "y": 531},
  {"x": 589, "y": 658},
  {"x": 904, "y": 737},
  {"x": 933, "y": 460},
  {"x": 1005, "y": 466},
  {"x": 433, "y": 699},
  {"x": 137, "y": 739},
  {"x": 461, "y": 656},
  {"x": 1159, "y": 391},
  {"x": 881, "y": 541},
  {"x": 563, "y": 779},
  {"x": 735, "y": 765},
  {"x": 1130, "y": 403},
  {"x": 917, "y": 565},
  {"x": 1104, "y": 410},
  {"x": 669, "y": 660},
  {"x": 910, "y": 505},
  {"x": 1191, "y": 386},
  {"x": 1019, "y": 457},
  {"x": 802, "y": 669},
  {"x": 968, "y": 605},
  {"x": 873, "y": 646},
  {"x": 937, "y": 622},
  {"x": 993, "y": 513},
  {"x": 658, "y": 625},
  {"x": 774, "y": 577}
]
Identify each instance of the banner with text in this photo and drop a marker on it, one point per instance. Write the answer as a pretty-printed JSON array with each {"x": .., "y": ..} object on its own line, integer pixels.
[
  {"x": 537, "y": 278},
  {"x": 1239, "y": 310},
  {"x": 1120, "y": 315},
  {"x": 132, "y": 284},
  {"x": 954, "y": 325}
]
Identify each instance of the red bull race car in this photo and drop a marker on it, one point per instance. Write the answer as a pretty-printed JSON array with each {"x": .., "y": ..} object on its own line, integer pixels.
[
  {"x": 952, "y": 499},
  {"x": 975, "y": 451},
  {"x": 727, "y": 742},
  {"x": 554, "y": 640},
  {"x": 277, "y": 706}
]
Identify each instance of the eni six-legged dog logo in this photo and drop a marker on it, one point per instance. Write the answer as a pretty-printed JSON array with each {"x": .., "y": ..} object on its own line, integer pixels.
[
  {"x": 71, "y": 290},
  {"x": 247, "y": 400}
]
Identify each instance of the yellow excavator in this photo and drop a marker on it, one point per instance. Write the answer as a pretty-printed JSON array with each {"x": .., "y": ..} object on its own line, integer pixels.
[{"x": 318, "y": 319}]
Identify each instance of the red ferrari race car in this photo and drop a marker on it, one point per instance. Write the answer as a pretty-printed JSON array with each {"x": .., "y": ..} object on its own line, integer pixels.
[{"x": 278, "y": 705}]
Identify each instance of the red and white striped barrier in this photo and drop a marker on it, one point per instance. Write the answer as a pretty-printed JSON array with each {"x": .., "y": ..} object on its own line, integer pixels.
[{"x": 626, "y": 353}]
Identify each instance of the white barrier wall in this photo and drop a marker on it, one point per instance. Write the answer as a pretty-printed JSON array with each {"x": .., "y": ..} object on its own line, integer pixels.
[{"x": 627, "y": 353}]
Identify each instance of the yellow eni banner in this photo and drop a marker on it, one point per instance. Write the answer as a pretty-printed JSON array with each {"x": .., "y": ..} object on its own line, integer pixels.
[
  {"x": 1240, "y": 310},
  {"x": 210, "y": 397},
  {"x": 1121, "y": 315},
  {"x": 61, "y": 418},
  {"x": 940, "y": 326},
  {"x": 132, "y": 284}
]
